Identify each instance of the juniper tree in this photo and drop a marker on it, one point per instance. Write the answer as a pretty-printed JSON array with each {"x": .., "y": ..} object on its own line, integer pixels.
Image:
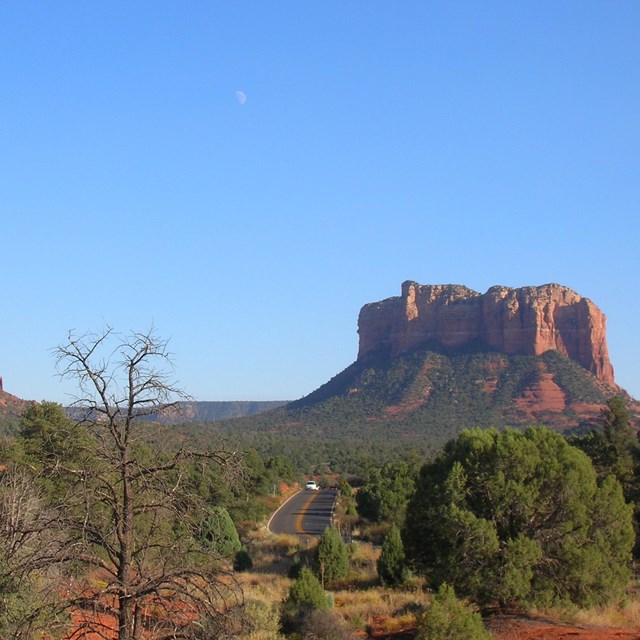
[
  {"x": 448, "y": 618},
  {"x": 219, "y": 532},
  {"x": 392, "y": 564},
  {"x": 306, "y": 594},
  {"x": 384, "y": 498},
  {"x": 517, "y": 517},
  {"x": 613, "y": 449},
  {"x": 331, "y": 556}
]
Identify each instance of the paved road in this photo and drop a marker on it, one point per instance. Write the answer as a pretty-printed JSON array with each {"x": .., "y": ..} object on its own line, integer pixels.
[{"x": 306, "y": 513}]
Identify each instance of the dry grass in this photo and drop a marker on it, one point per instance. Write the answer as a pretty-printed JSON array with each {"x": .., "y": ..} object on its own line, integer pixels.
[
  {"x": 623, "y": 616},
  {"x": 270, "y": 588},
  {"x": 626, "y": 616},
  {"x": 393, "y": 625},
  {"x": 363, "y": 559},
  {"x": 372, "y": 532},
  {"x": 380, "y": 606},
  {"x": 364, "y": 554},
  {"x": 269, "y": 549},
  {"x": 262, "y": 607}
]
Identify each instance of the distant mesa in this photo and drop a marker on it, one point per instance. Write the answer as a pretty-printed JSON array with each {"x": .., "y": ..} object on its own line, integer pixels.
[
  {"x": 441, "y": 358},
  {"x": 527, "y": 321}
]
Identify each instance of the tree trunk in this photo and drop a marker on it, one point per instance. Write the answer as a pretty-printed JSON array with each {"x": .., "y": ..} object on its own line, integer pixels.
[{"x": 125, "y": 602}]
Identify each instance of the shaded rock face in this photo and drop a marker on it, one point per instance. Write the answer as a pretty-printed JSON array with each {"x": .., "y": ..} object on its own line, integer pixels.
[{"x": 528, "y": 321}]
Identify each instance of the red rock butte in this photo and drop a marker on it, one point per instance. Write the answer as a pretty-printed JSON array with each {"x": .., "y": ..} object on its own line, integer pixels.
[{"x": 528, "y": 321}]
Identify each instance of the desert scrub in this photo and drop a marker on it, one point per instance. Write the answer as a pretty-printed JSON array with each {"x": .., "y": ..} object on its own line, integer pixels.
[
  {"x": 265, "y": 587},
  {"x": 448, "y": 618},
  {"x": 305, "y": 595},
  {"x": 262, "y": 620},
  {"x": 268, "y": 548},
  {"x": 370, "y": 607}
]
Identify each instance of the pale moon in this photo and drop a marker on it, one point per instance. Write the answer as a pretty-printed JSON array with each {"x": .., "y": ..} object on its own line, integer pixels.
[{"x": 241, "y": 96}]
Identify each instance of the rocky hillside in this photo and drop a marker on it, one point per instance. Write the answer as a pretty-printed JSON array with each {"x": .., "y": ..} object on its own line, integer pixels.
[
  {"x": 11, "y": 407},
  {"x": 429, "y": 394},
  {"x": 441, "y": 358}
]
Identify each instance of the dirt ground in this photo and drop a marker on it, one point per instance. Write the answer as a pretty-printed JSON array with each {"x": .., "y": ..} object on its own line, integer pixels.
[{"x": 522, "y": 628}]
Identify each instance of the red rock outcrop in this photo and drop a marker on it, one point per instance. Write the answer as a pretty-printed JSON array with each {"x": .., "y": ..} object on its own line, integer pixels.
[
  {"x": 11, "y": 405},
  {"x": 528, "y": 320}
]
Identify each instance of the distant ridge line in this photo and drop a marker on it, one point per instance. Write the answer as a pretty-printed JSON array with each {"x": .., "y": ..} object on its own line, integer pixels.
[{"x": 200, "y": 411}]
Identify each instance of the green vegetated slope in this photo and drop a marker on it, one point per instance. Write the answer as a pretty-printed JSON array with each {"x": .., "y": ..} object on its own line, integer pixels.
[{"x": 428, "y": 396}]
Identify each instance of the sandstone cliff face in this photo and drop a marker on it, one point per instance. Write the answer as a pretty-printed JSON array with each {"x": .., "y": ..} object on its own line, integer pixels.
[{"x": 529, "y": 321}]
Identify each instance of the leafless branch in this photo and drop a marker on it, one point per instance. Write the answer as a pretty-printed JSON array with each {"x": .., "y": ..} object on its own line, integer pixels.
[{"x": 121, "y": 505}]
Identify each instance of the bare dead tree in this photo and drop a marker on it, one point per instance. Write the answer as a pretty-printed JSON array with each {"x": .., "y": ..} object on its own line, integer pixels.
[{"x": 128, "y": 509}]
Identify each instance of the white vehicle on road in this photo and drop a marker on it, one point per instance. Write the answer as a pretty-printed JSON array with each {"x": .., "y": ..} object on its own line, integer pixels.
[{"x": 311, "y": 485}]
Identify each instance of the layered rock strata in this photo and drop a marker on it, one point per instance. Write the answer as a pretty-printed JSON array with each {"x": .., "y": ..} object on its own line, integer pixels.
[{"x": 528, "y": 320}]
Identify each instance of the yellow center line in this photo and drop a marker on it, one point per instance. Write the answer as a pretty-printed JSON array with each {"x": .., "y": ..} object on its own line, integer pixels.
[{"x": 303, "y": 513}]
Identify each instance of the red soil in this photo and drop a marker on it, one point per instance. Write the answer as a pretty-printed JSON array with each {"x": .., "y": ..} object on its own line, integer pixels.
[
  {"x": 520, "y": 628},
  {"x": 523, "y": 628},
  {"x": 543, "y": 395}
]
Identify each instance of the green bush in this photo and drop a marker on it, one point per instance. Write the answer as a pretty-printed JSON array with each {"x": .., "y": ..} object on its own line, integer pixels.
[
  {"x": 219, "y": 532},
  {"x": 392, "y": 565},
  {"x": 242, "y": 561},
  {"x": 331, "y": 556},
  {"x": 518, "y": 518},
  {"x": 307, "y": 591},
  {"x": 295, "y": 567},
  {"x": 447, "y": 618},
  {"x": 306, "y": 594},
  {"x": 384, "y": 498}
]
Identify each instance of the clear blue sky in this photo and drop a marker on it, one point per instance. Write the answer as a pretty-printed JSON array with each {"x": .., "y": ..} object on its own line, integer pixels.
[{"x": 477, "y": 143}]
